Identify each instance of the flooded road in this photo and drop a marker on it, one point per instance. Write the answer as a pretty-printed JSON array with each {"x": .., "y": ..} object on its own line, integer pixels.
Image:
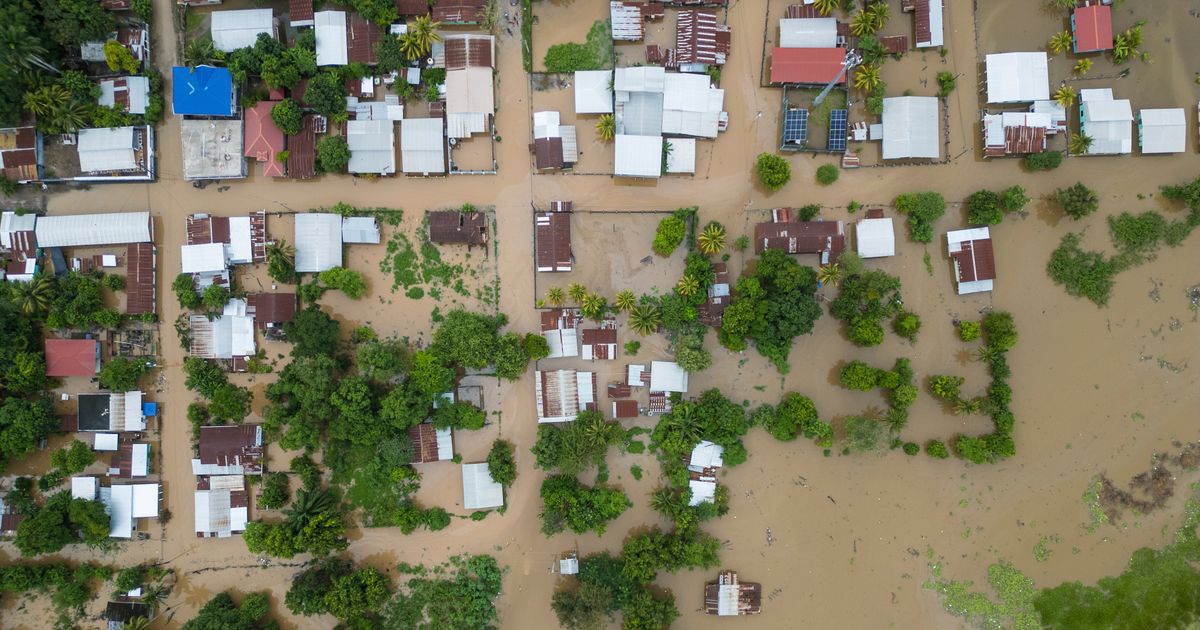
[{"x": 1090, "y": 395}]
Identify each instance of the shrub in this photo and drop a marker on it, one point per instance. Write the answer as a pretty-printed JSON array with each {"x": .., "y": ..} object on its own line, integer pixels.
[
  {"x": 1013, "y": 199},
  {"x": 274, "y": 491},
  {"x": 911, "y": 448},
  {"x": 333, "y": 154},
  {"x": 859, "y": 376},
  {"x": 946, "y": 83},
  {"x": 184, "y": 287},
  {"x": 348, "y": 281},
  {"x": 121, "y": 374},
  {"x": 999, "y": 330},
  {"x": 1043, "y": 161},
  {"x": 773, "y": 171},
  {"x": 983, "y": 208},
  {"x": 502, "y": 465},
  {"x": 968, "y": 331},
  {"x": 810, "y": 211},
  {"x": 113, "y": 282},
  {"x": 865, "y": 332},
  {"x": 669, "y": 235},
  {"x": 1082, "y": 273},
  {"x": 936, "y": 449},
  {"x": 906, "y": 325},
  {"x": 946, "y": 387},
  {"x": 632, "y": 347},
  {"x": 827, "y": 174},
  {"x": 1078, "y": 200},
  {"x": 923, "y": 209},
  {"x": 287, "y": 116},
  {"x": 863, "y": 434}
]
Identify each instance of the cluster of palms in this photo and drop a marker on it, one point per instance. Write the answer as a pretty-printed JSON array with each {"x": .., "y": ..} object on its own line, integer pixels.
[
  {"x": 1127, "y": 44},
  {"x": 420, "y": 38},
  {"x": 57, "y": 110},
  {"x": 643, "y": 318},
  {"x": 1080, "y": 143},
  {"x": 870, "y": 19},
  {"x": 867, "y": 79}
]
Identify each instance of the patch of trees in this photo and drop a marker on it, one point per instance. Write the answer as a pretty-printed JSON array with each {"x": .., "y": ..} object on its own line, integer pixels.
[
  {"x": 59, "y": 522},
  {"x": 23, "y": 423},
  {"x": 795, "y": 415},
  {"x": 1077, "y": 201},
  {"x": 1043, "y": 161},
  {"x": 73, "y": 458},
  {"x": 569, "y": 504},
  {"x": 122, "y": 374},
  {"x": 458, "y": 594},
  {"x": 78, "y": 303},
  {"x": 337, "y": 587},
  {"x": 862, "y": 433},
  {"x": 70, "y": 588},
  {"x": 314, "y": 524},
  {"x": 222, "y": 613},
  {"x": 574, "y": 447},
  {"x": 986, "y": 207},
  {"x": 226, "y": 402},
  {"x": 711, "y": 417},
  {"x": 866, "y": 298},
  {"x": 923, "y": 209},
  {"x": 671, "y": 231},
  {"x": 332, "y": 154},
  {"x": 772, "y": 304},
  {"x": 352, "y": 283},
  {"x": 595, "y": 54},
  {"x": 275, "y": 491},
  {"x": 502, "y": 463}
]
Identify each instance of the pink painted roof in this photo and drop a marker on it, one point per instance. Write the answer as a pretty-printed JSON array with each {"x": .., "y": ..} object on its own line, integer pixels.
[{"x": 264, "y": 140}]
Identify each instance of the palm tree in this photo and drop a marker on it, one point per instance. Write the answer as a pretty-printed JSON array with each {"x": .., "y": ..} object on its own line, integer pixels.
[
  {"x": 555, "y": 296},
  {"x": 422, "y": 31},
  {"x": 33, "y": 297},
  {"x": 1080, "y": 143},
  {"x": 663, "y": 500},
  {"x": 862, "y": 23},
  {"x": 879, "y": 13},
  {"x": 199, "y": 52},
  {"x": 41, "y": 102},
  {"x": 606, "y": 127},
  {"x": 410, "y": 47},
  {"x": 866, "y": 78},
  {"x": 1063, "y": 5},
  {"x": 1122, "y": 49},
  {"x": 825, "y": 7},
  {"x": 985, "y": 354},
  {"x": 1082, "y": 66},
  {"x": 136, "y": 623},
  {"x": 594, "y": 305},
  {"x": 1065, "y": 96},
  {"x": 154, "y": 596},
  {"x": 712, "y": 238},
  {"x": 308, "y": 504},
  {"x": 19, "y": 49},
  {"x": 1061, "y": 42},
  {"x": 967, "y": 406},
  {"x": 687, "y": 286},
  {"x": 645, "y": 319},
  {"x": 830, "y": 274},
  {"x": 625, "y": 301},
  {"x": 576, "y": 292}
]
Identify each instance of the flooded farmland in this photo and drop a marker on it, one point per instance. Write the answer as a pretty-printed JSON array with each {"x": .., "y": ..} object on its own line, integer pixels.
[{"x": 836, "y": 541}]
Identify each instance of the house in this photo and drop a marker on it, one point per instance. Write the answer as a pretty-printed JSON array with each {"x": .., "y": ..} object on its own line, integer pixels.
[
  {"x": 72, "y": 357},
  {"x": 115, "y": 412},
  {"x": 480, "y": 491},
  {"x": 202, "y": 91},
  {"x": 10, "y": 520},
  {"x": 244, "y": 238},
  {"x": 412, "y": 7},
  {"x": 134, "y": 37},
  {"x": 458, "y": 12},
  {"x": 105, "y": 442},
  {"x": 330, "y": 30},
  {"x": 318, "y": 242},
  {"x": 19, "y": 242},
  {"x": 140, "y": 264},
  {"x": 452, "y": 227},
  {"x": 131, "y": 460},
  {"x": 626, "y": 20},
  {"x": 667, "y": 376},
  {"x": 360, "y": 230},
  {"x": 808, "y": 66},
  {"x": 826, "y": 238},
  {"x": 431, "y": 444},
  {"x": 117, "y": 614},
  {"x": 730, "y": 597},
  {"x": 232, "y": 30},
  {"x": 559, "y": 327},
  {"x": 554, "y": 145},
  {"x": 927, "y": 21},
  {"x": 1016, "y": 133},
  {"x": 1017, "y": 77},
  {"x": 639, "y": 94},
  {"x": 129, "y": 94},
  {"x": 622, "y": 409},
  {"x": 263, "y": 139},
  {"x": 636, "y": 375},
  {"x": 467, "y": 50},
  {"x": 19, "y": 153},
  {"x": 221, "y": 506},
  {"x": 600, "y": 343},
  {"x": 470, "y": 101},
  {"x": 229, "y": 336},
  {"x": 94, "y": 230},
  {"x": 638, "y": 156},
  {"x": 593, "y": 92},
  {"x": 372, "y": 147},
  {"x": 1056, "y": 112},
  {"x": 553, "y": 241},
  {"x": 562, "y": 394},
  {"x": 422, "y": 146},
  {"x": 1162, "y": 130},
  {"x": 910, "y": 128},
  {"x": 271, "y": 311},
  {"x": 681, "y": 155},
  {"x": 814, "y": 32},
  {"x": 1108, "y": 122},
  {"x": 111, "y": 149},
  {"x": 699, "y": 39},
  {"x": 713, "y": 309},
  {"x": 302, "y": 149},
  {"x": 974, "y": 263},
  {"x": 876, "y": 238},
  {"x": 691, "y": 106},
  {"x": 1092, "y": 28},
  {"x": 208, "y": 262},
  {"x": 86, "y": 488},
  {"x": 706, "y": 458},
  {"x": 212, "y": 149},
  {"x": 128, "y": 503},
  {"x": 235, "y": 449},
  {"x": 300, "y": 13}
]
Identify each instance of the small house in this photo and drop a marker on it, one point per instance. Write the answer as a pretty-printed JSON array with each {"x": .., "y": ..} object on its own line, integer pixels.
[
  {"x": 422, "y": 146},
  {"x": 559, "y": 329},
  {"x": 300, "y": 13},
  {"x": 622, "y": 409},
  {"x": 129, "y": 94},
  {"x": 1107, "y": 121},
  {"x": 626, "y": 20},
  {"x": 212, "y": 149},
  {"x": 117, "y": 614},
  {"x": 910, "y": 128},
  {"x": 19, "y": 148},
  {"x": 140, "y": 263},
  {"x": 271, "y": 312},
  {"x": 1016, "y": 133},
  {"x": 927, "y": 21},
  {"x": 229, "y": 336},
  {"x": 600, "y": 343},
  {"x": 691, "y": 106},
  {"x": 974, "y": 263},
  {"x": 330, "y": 30},
  {"x": 808, "y": 66},
  {"x": 115, "y": 412},
  {"x": 470, "y": 101},
  {"x": 453, "y": 227},
  {"x": 431, "y": 444},
  {"x": 86, "y": 488},
  {"x": 94, "y": 230},
  {"x": 813, "y": 32},
  {"x": 456, "y": 12},
  {"x": 318, "y": 242},
  {"x": 681, "y": 155},
  {"x": 876, "y": 238},
  {"x": 667, "y": 376},
  {"x": 480, "y": 491},
  {"x": 554, "y": 144},
  {"x": 222, "y": 506},
  {"x": 1092, "y": 27},
  {"x": 562, "y": 394},
  {"x": 552, "y": 232},
  {"x": 203, "y": 91},
  {"x": 825, "y": 238},
  {"x": 460, "y": 51},
  {"x": 360, "y": 231},
  {"x": 372, "y": 147},
  {"x": 72, "y": 357},
  {"x": 638, "y": 156},
  {"x": 1017, "y": 77},
  {"x": 593, "y": 92},
  {"x": 263, "y": 139},
  {"x": 229, "y": 450},
  {"x": 713, "y": 309},
  {"x": 1162, "y": 130},
  {"x": 232, "y": 30},
  {"x": 700, "y": 39},
  {"x": 126, "y": 504},
  {"x": 244, "y": 239},
  {"x": 729, "y": 596}
]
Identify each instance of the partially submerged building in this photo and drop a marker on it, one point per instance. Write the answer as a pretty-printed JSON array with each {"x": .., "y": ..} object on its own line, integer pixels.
[
  {"x": 244, "y": 239},
  {"x": 1016, "y": 133},
  {"x": 222, "y": 506},
  {"x": 263, "y": 139},
  {"x": 115, "y": 154},
  {"x": 927, "y": 21},
  {"x": 562, "y": 394},
  {"x": 271, "y": 312},
  {"x": 560, "y": 329},
  {"x": 786, "y": 234},
  {"x": 593, "y": 92},
  {"x": 126, "y": 504},
  {"x": 552, "y": 232},
  {"x": 111, "y": 412},
  {"x": 910, "y": 128},
  {"x": 372, "y": 147},
  {"x": 422, "y": 146},
  {"x": 712, "y": 310},
  {"x": 203, "y": 91},
  {"x": 700, "y": 40},
  {"x": 599, "y": 344},
  {"x": 232, "y": 30},
  {"x": 876, "y": 238},
  {"x": 453, "y": 227},
  {"x": 1107, "y": 121},
  {"x": 1091, "y": 26},
  {"x": 554, "y": 144},
  {"x": 129, "y": 94},
  {"x": 480, "y": 491},
  {"x": 229, "y": 336},
  {"x": 72, "y": 357},
  {"x": 19, "y": 147},
  {"x": 318, "y": 242},
  {"x": 729, "y": 596},
  {"x": 974, "y": 263},
  {"x": 229, "y": 450},
  {"x": 1017, "y": 77},
  {"x": 668, "y": 376},
  {"x": 702, "y": 464},
  {"x": 431, "y": 444},
  {"x": 212, "y": 149},
  {"x": 94, "y": 230},
  {"x": 1162, "y": 130}
]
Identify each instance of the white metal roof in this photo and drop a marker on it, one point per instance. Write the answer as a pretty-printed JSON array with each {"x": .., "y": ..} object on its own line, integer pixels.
[
  {"x": 626, "y": 21},
  {"x": 318, "y": 242},
  {"x": 10, "y": 222},
  {"x": 667, "y": 376},
  {"x": 728, "y": 596},
  {"x": 682, "y": 156},
  {"x": 633, "y": 375},
  {"x": 1109, "y": 124},
  {"x": 570, "y": 144},
  {"x": 241, "y": 249},
  {"x": 134, "y": 420},
  {"x": 445, "y": 444},
  {"x": 372, "y": 146},
  {"x": 140, "y": 466},
  {"x": 145, "y": 500},
  {"x": 105, "y": 442},
  {"x": 106, "y": 149},
  {"x": 84, "y": 488},
  {"x": 706, "y": 455},
  {"x": 462, "y": 125},
  {"x": 955, "y": 238},
  {"x": 120, "y": 511},
  {"x": 638, "y": 156},
  {"x": 360, "y": 230},
  {"x": 702, "y": 491},
  {"x": 936, "y": 36},
  {"x": 330, "y": 29},
  {"x": 89, "y": 230},
  {"x": 136, "y": 88},
  {"x": 232, "y": 30},
  {"x": 206, "y": 258},
  {"x": 640, "y": 79},
  {"x": 691, "y": 106},
  {"x": 593, "y": 92},
  {"x": 910, "y": 127},
  {"x": 1017, "y": 77},
  {"x": 876, "y": 238},
  {"x": 1162, "y": 130},
  {"x": 564, "y": 342},
  {"x": 422, "y": 146},
  {"x": 212, "y": 512},
  {"x": 546, "y": 125},
  {"x": 470, "y": 91},
  {"x": 1095, "y": 94},
  {"x": 479, "y": 490},
  {"x": 808, "y": 33}
]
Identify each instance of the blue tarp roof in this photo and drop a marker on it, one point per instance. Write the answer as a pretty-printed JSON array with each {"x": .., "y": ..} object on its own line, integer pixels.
[
  {"x": 148, "y": 408},
  {"x": 202, "y": 91}
]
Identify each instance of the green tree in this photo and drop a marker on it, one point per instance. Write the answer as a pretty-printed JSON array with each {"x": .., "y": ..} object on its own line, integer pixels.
[
  {"x": 129, "y": 578},
  {"x": 906, "y": 324},
  {"x": 326, "y": 93},
  {"x": 502, "y": 463},
  {"x": 1043, "y": 161},
  {"x": 313, "y": 332},
  {"x": 575, "y": 446},
  {"x": 275, "y": 492},
  {"x": 568, "y": 504},
  {"x": 24, "y": 423},
  {"x": 73, "y": 459},
  {"x": 606, "y": 127},
  {"x": 1013, "y": 199},
  {"x": 1060, "y": 42},
  {"x": 937, "y": 449},
  {"x": 923, "y": 210},
  {"x": 358, "y": 595},
  {"x": 625, "y": 300},
  {"x": 827, "y": 174},
  {"x": 215, "y": 297},
  {"x": 459, "y": 415},
  {"x": 858, "y": 376},
  {"x": 467, "y": 339},
  {"x": 983, "y": 208},
  {"x": 585, "y": 608},
  {"x": 511, "y": 359},
  {"x": 122, "y": 374},
  {"x": 645, "y": 319},
  {"x": 1080, "y": 143},
  {"x": 428, "y": 375},
  {"x": 309, "y": 587},
  {"x": 288, "y": 116},
  {"x": 771, "y": 306},
  {"x": 866, "y": 78},
  {"x": 796, "y": 414},
  {"x": 281, "y": 265},
  {"x": 72, "y": 22},
  {"x": 646, "y": 612},
  {"x": 460, "y": 594},
  {"x": 355, "y": 421},
  {"x": 118, "y": 57},
  {"x": 711, "y": 240},
  {"x": 352, "y": 283},
  {"x": 381, "y": 360},
  {"x": 333, "y": 154},
  {"x": 773, "y": 171},
  {"x": 1078, "y": 201},
  {"x": 33, "y": 297},
  {"x": 229, "y": 403},
  {"x": 669, "y": 235},
  {"x": 221, "y": 613},
  {"x": 947, "y": 81},
  {"x": 555, "y": 296}
]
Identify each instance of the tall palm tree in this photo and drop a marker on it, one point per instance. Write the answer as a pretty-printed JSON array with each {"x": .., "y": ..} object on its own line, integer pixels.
[
  {"x": 1080, "y": 143},
  {"x": 594, "y": 305},
  {"x": 423, "y": 32},
  {"x": 410, "y": 46},
  {"x": 41, "y": 102},
  {"x": 625, "y": 301},
  {"x": 1123, "y": 48},
  {"x": 606, "y": 127},
  {"x": 199, "y": 52},
  {"x": 33, "y": 297},
  {"x": 830, "y": 274},
  {"x": 866, "y": 78},
  {"x": 576, "y": 292},
  {"x": 825, "y": 7},
  {"x": 862, "y": 23},
  {"x": 687, "y": 286},
  {"x": 1065, "y": 96},
  {"x": 645, "y": 319},
  {"x": 1083, "y": 66},
  {"x": 555, "y": 296},
  {"x": 712, "y": 238},
  {"x": 154, "y": 596},
  {"x": 663, "y": 500},
  {"x": 1061, "y": 42},
  {"x": 879, "y": 13},
  {"x": 19, "y": 49},
  {"x": 967, "y": 406},
  {"x": 307, "y": 505}
]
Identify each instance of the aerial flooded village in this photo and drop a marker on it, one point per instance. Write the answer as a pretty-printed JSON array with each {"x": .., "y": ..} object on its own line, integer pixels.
[{"x": 599, "y": 313}]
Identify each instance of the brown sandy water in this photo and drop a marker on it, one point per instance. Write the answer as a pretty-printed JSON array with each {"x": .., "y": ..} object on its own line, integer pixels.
[{"x": 841, "y": 525}]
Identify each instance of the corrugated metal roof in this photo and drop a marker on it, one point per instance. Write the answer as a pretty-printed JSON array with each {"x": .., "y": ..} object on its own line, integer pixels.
[
  {"x": 422, "y": 146},
  {"x": 553, "y": 241},
  {"x": 638, "y": 156},
  {"x": 232, "y": 30},
  {"x": 139, "y": 278},
  {"x": 372, "y": 146},
  {"x": 330, "y": 29},
  {"x": 318, "y": 242},
  {"x": 88, "y": 230}
]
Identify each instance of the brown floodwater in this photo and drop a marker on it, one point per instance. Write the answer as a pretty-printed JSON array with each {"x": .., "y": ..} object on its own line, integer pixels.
[{"x": 1093, "y": 390}]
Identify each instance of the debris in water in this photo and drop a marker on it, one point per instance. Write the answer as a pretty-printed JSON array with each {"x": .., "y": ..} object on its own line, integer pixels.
[
  {"x": 1175, "y": 325},
  {"x": 1154, "y": 293},
  {"x": 1172, "y": 367},
  {"x": 831, "y": 499},
  {"x": 801, "y": 481},
  {"x": 770, "y": 537}
]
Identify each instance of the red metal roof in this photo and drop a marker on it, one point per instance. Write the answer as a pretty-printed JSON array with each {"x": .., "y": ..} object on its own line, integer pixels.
[
  {"x": 232, "y": 445},
  {"x": 302, "y": 151},
  {"x": 18, "y": 153},
  {"x": 361, "y": 37},
  {"x": 548, "y": 153},
  {"x": 263, "y": 138},
  {"x": 800, "y": 237},
  {"x": 71, "y": 357},
  {"x": 976, "y": 261},
  {"x": 299, "y": 10},
  {"x": 469, "y": 51},
  {"x": 424, "y": 442},
  {"x": 139, "y": 278},
  {"x": 412, "y": 7},
  {"x": 1093, "y": 28},
  {"x": 807, "y": 65}
]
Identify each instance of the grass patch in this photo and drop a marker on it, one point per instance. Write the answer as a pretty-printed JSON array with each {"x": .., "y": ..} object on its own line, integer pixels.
[
  {"x": 419, "y": 271},
  {"x": 596, "y": 54}
]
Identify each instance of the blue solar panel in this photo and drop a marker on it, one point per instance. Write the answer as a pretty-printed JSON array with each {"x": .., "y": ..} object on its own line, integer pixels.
[
  {"x": 795, "y": 126},
  {"x": 837, "y": 130}
]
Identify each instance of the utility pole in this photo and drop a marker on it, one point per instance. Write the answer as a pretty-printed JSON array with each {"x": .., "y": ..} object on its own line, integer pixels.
[{"x": 852, "y": 60}]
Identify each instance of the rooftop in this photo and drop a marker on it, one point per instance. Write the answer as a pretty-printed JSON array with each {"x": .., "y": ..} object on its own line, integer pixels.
[
  {"x": 422, "y": 146},
  {"x": 202, "y": 91},
  {"x": 212, "y": 149},
  {"x": 1092, "y": 26},
  {"x": 818, "y": 32},
  {"x": 807, "y": 65},
  {"x": 974, "y": 262},
  {"x": 562, "y": 394},
  {"x": 1162, "y": 130},
  {"x": 232, "y": 30},
  {"x": 1017, "y": 77},
  {"x": 699, "y": 38},
  {"x": 263, "y": 138},
  {"x": 72, "y": 357},
  {"x": 372, "y": 146},
  {"x": 480, "y": 491},
  {"x": 927, "y": 21},
  {"x": 318, "y": 241},
  {"x": 910, "y": 128},
  {"x": 453, "y": 226},
  {"x": 553, "y": 241},
  {"x": 229, "y": 450}
]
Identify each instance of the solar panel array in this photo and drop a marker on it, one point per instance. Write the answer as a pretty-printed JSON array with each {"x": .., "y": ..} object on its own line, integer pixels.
[
  {"x": 837, "y": 130},
  {"x": 795, "y": 125}
]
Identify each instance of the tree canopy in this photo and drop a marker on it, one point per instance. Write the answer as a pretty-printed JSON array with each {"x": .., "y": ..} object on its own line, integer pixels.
[{"x": 772, "y": 305}]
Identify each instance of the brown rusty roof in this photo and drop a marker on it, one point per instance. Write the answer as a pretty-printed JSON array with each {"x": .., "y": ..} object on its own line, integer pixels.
[
  {"x": 271, "y": 308},
  {"x": 452, "y": 226},
  {"x": 205, "y": 229},
  {"x": 1021, "y": 139},
  {"x": 232, "y": 445},
  {"x": 302, "y": 151},
  {"x": 548, "y": 153},
  {"x": 558, "y": 319},
  {"x": 361, "y": 37},
  {"x": 459, "y": 11},
  {"x": 424, "y": 441},
  {"x": 553, "y": 245},
  {"x": 115, "y": 5},
  {"x": 599, "y": 339},
  {"x": 469, "y": 51},
  {"x": 699, "y": 38},
  {"x": 625, "y": 409},
  {"x": 802, "y": 11},
  {"x": 749, "y": 595},
  {"x": 921, "y": 14},
  {"x": 9, "y": 521},
  {"x": 800, "y": 237},
  {"x": 299, "y": 10},
  {"x": 139, "y": 278},
  {"x": 412, "y": 7},
  {"x": 619, "y": 390},
  {"x": 976, "y": 261},
  {"x": 895, "y": 44}
]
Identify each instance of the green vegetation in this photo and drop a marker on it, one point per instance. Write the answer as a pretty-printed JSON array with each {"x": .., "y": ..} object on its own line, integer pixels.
[
  {"x": 568, "y": 504},
  {"x": 122, "y": 374},
  {"x": 946, "y": 81},
  {"x": 773, "y": 171},
  {"x": 1047, "y": 160},
  {"x": 1077, "y": 201},
  {"x": 459, "y": 594},
  {"x": 502, "y": 464},
  {"x": 274, "y": 492},
  {"x": 867, "y": 298},
  {"x": 937, "y": 449},
  {"x": 596, "y": 54},
  {"x": 827, "y": 174},
  {"x": 968, "y": 331},
  {"x": 988, "y": 208},
  {"x": 58, "y": 522},
  {"x": 771, "y": 305},
  {"x": 288, "y": 116},
  {"x": 337, "y": 587},
  {"x": 574, "y": 447},
  {"x": 923, "y": 210},
  {"x": 332, "y": 154},
  {"x": 907, "y": 324},
  {"x": 73, "y": 458},
  {"x": 670, "y": 233},
  {"x": 897, "y": 382},
  {"x": 796, "y": 415},
  {"x": 222, "y": 612},
  {"x": 352, "y": 283}
]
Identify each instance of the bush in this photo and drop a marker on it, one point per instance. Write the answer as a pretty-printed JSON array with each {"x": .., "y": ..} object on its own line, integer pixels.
[
  {"x": 1082, "y": 273},
  {"x": 121, "y": 374},
  {"x": 1043, "y": 161},
  {"x": 923, "y": 210},
  {"x": 1013, "y": 199},
  {"x": 1077, "y": 201},
  {"x": 968, "y": 331},
  {"x": 827, "y": 174},
  {"x": 669, "y": 235},
  {"x": 184, "y": 287},
  {"x": 936, "y": 449},
  {"x": 773, "y": 171},
  {"x": 810, "y": 211},
  {"x": 865, "y": 332},
  {"x": 113, "y": 282},
  {"x": 983, "y": 208},
  {"x": 596, "y": 54},
  {"x": 906, "y": 325},
  {"x": 945, "y": 386},
  {"x": 946, "y": 83},
  {"x": 502, "y": 464},
  {"x": 288, "y": 117},
  {"x": 348, "y": 281},
  {"x": 858, "y": 376},
  {"x": 333, "y": 154},
  {"x": 999, "y": 330},
  {"x": 911, "y": 448},
  {"x": 435, "y": 519},
  {"x": 275, "y": 491}
]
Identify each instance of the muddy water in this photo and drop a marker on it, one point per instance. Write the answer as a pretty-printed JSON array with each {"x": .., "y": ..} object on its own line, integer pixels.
[{"x": 839, "y": 524}]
